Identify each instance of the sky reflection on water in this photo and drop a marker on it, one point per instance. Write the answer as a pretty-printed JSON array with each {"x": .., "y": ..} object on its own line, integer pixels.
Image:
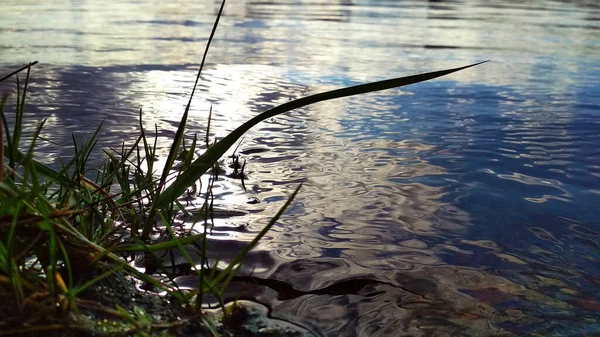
[{"x": 482, "y": 187}]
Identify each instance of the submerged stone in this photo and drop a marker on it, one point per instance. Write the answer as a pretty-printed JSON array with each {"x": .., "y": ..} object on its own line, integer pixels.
[{"x": 246, "y": 318}]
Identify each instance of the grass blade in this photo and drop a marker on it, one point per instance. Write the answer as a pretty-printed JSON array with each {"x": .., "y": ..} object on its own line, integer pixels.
[
  {"x": 140, "y": 247},
  {"x": 2, "y": 139},
  {"x": 257, "y": 238},
  {"x": 212, "y": 154},
  {"x": 41, "y": 168},
  {"x": 179, "y": 135},
  {"x": 18, "y": 71}
]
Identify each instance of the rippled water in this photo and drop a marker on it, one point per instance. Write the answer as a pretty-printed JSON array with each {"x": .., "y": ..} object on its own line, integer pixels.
[{"x": 472, "y": 198}]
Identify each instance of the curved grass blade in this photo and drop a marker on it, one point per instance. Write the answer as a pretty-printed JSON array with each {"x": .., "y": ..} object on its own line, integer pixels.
[
  {"x": 18, "y": 70},
  {"x": 141, "y": 247},
  {"x": 212, "y": 154}
]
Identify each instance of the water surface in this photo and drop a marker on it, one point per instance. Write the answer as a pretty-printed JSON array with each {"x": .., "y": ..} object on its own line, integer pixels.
[{"x": 473, "y": 197}]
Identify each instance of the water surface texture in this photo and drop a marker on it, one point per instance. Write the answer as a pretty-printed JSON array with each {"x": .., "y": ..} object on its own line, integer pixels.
[{"x": 472, "y": 200}]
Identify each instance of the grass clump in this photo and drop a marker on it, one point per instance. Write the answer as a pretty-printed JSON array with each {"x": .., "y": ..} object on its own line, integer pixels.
[{"x": 67, "y": 234}]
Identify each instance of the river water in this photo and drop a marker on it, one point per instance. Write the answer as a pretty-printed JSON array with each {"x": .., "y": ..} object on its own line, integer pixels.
[{"x": 473, "y": 198}]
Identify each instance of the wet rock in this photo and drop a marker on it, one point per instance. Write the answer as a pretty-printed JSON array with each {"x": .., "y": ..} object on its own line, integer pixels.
[
  {"x": 253, "y": 201},
  {"x": 246, "y": 318}
]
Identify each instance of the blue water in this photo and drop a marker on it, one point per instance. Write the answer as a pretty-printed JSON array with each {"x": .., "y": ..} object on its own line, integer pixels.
[{"x": 478, "y": 191}]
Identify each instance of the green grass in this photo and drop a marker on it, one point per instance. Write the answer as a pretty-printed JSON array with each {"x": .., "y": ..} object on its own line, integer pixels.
[{"x": 63, "y": 232}]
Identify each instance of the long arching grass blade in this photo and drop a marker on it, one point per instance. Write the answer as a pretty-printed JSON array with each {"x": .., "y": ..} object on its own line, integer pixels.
[
  {"x": 18, "y": 70},
  {"x": 212, "y": 154}
]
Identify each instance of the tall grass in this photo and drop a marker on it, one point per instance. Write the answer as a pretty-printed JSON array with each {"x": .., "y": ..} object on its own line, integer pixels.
[{"x": 63, "y": 231}]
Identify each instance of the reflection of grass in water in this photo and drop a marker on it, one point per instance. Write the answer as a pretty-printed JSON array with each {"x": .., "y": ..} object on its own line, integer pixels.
[{"x": 66, "y": 232}]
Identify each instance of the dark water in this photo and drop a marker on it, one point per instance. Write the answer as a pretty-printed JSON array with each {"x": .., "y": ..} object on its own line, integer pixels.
[{"x": 472, "y": 198}]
